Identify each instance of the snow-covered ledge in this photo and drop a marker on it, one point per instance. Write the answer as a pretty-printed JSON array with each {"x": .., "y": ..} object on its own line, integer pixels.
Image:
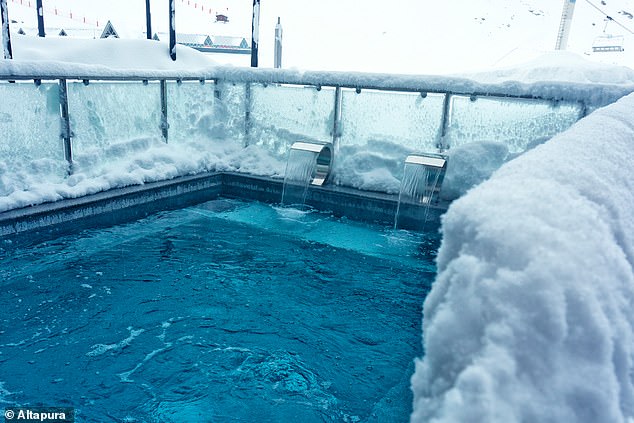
[{"x": 531, "y": 317}]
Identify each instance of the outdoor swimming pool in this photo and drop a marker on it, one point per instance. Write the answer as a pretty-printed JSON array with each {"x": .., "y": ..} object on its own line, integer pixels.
[{"x": 226, "y": 311}]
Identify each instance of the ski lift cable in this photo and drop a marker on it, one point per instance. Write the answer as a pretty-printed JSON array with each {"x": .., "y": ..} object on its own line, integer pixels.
[{"x": 610, "y": 18}]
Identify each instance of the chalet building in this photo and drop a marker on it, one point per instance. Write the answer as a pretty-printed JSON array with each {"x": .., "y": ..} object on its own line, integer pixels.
[
  {"x": 83, "y": 33},
  {"x": 201, "y": 42},
  {"x": 109, "y": 31},
  {"x": 222, "y": 18},
  {"x": 209, "y": 43},
  {"x": 229, "y": 42}
]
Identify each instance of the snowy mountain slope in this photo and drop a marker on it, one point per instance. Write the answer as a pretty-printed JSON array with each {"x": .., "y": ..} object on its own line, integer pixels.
[
  {"x": 128, "y": 18},
  {"x": 423, "y": 37},
  {"x": 406, "y": 36}
]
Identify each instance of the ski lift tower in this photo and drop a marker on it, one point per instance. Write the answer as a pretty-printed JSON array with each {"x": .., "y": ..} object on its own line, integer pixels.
[{"x": 564, "y": 25}]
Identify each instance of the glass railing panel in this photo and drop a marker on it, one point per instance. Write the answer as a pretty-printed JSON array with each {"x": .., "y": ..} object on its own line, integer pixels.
[
  {"x": 283, "y": 114},
  {"x": 206, "y": 112},
  {"x": 378, "y": 130},
  {"x": 30, "y": 145},
  {"x": 113, "y": 120},
  {"x": 409, "y": 120},
  {"x": 232, "y": 104},
  {"x": 191, "y": 112},
  {"x": 517, "y": 123}
]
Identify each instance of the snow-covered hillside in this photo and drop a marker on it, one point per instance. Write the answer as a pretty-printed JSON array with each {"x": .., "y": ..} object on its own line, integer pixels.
[{"x": 404, "y": 36}]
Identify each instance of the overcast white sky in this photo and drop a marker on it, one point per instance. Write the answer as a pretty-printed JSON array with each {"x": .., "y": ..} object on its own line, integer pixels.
[{"x": 399, "y": 36}]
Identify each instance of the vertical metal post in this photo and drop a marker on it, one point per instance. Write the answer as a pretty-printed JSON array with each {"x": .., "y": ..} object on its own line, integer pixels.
[
  {"x": 6, "y": 34},
  {"x": 164, "y": 124},
  {"x": 66, "y": 133},
  {"x": 444, "y": 125},
  {"x": 565, "y": 24},
  {"x": 148, "y": 19},
  {"x": 277, "y": 55},
  {"x": 217, "y": 94},
  {"x": 336, "y": 120},
  {"x": 255, "y": 33},
  {"x": 247, "y": 114},
  {"x": 172, "y": 29},
  {"x": 40, "y": 19}
]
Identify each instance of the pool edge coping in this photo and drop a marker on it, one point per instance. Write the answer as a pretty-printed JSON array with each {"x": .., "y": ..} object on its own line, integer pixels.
[{"x": 136, "y": 201}]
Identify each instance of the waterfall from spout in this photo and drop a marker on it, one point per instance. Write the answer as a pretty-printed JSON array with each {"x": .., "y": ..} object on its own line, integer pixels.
[
  {"x": 422, "y": 178},
  {"x": 299, "y": 169},
  {"x": 307, "y": 164}
]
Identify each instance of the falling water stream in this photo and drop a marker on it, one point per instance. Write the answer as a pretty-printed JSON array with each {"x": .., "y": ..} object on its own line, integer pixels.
[
  {"x": 418, "y": 186},
  {"x": 299, "y": 171}
]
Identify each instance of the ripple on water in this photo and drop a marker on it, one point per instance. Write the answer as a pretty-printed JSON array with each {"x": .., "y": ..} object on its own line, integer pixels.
[{"x": 99, "y": 349}]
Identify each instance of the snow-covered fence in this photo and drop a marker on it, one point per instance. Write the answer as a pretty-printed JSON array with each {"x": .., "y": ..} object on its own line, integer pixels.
[
  {"x": 439, "y": 98},
  {"x": 373, "y": 120}
]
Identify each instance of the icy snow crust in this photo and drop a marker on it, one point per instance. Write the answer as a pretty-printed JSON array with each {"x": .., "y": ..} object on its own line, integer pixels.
[
  {"x": 530, "y": 318},
  {"x": 132, "y": 162}
]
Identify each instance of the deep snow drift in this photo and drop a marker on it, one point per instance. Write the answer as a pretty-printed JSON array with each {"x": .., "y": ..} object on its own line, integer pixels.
[
  {"x": 530, "y": 318},
  {"x": 106, "y": 56}
]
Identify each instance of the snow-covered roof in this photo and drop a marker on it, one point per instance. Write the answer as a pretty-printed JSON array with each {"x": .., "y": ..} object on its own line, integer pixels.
[
  {"x": 109, "y": 31},
  {"x": 192, "y": 40},
  {"x": 84, "y": 33},
  {"x": 204, "y": 40},
  {"x": 224, "y": 41}
]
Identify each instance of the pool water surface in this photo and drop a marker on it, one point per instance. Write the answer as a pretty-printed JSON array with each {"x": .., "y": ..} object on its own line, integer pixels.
[{"x": 226, "y": 311}]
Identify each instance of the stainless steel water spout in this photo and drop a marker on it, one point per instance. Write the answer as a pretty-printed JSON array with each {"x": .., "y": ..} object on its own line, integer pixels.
[{"x": 323, "y": 162}]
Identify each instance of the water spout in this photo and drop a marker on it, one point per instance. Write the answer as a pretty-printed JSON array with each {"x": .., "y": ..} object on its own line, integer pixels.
[
  {"x": 308, "y": 164},
  {"x": 420, "y": 186}
]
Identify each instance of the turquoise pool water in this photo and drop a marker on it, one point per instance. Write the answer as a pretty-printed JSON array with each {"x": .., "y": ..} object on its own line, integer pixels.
[{"x": 227, "y": 311}]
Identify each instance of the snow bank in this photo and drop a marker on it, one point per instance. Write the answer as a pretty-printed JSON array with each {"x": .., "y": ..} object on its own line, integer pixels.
[
  {"x": 374, "y": 166},
  {"x": 66, "y": 56},
  {"x": 530, "y": 318},
  {"x": 559, "y": 66},
  {"x": 471, "y": 164},
  {"x": 126, "y": 163}
]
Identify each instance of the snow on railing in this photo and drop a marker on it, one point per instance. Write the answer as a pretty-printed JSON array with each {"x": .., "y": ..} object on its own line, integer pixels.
[
  {"x": 447, "y": 87},
  {"x": 593, "y": 95}
]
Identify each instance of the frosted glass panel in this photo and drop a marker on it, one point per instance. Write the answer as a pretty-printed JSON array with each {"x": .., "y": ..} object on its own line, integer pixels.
[
  {"x": 517, "y": 123},
  {"x": 190, "y": 111},
  {"x": 281, "y": 115},
  {"x": 406, "y": 119},
  {"x": 205, "y": 112},
  {"x": 30, "y": 133},
  {"x": 30, "y": 122},
  {"x": 232, "y": 103},
  {"x": 103, "y": 114}
]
